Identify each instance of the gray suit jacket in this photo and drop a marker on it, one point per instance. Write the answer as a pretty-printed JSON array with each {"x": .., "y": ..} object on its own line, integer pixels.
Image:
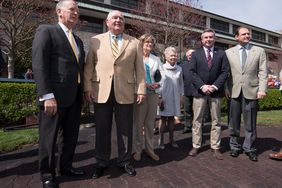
[{"x": 253, "y": 77}]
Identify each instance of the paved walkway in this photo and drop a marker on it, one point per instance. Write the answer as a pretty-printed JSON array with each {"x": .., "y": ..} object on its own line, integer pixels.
[{"x": 175, "y": 169}]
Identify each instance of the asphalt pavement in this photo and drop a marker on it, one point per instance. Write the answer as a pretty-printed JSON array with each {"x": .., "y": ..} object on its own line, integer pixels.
[{"x": 19, "y": 169}]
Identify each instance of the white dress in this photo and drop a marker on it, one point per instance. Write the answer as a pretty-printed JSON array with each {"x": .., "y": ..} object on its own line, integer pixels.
[{"x": 171, "y": 90}]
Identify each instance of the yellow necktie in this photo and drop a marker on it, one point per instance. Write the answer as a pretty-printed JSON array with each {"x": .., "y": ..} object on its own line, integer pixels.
[
  {"x": 72, "y": 43},
  {"x": 71, "y": 40},
  {"x": 115, "y": 49}
]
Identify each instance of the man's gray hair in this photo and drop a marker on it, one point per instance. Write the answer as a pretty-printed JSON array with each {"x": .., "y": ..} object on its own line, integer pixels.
[
  {"x": 61, "y": 4},
  {"x": 208, "y": 30},
  {"x": 110, "y": 15}
]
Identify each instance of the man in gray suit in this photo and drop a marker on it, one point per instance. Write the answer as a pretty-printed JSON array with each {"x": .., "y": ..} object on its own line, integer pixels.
[{"x": 249, "y": 84}]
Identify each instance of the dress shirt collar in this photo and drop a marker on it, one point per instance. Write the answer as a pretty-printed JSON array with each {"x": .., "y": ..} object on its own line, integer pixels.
[
  {"x": 247, "y": 46},
  {"x": 118, "y": 37},
  {"x": 206, "y": 49},
  {"x": 64, "y": 28}
]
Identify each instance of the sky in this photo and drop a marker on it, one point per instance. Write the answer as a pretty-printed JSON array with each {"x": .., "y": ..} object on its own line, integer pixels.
[{"x": 266, "y": 14}]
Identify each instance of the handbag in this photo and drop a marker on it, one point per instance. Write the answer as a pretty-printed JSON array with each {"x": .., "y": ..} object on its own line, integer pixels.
[{"x": 157, "y": 76}]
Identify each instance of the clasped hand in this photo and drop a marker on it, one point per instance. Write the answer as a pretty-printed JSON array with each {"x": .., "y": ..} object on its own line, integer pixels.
[{"x": 208, "y": 89}]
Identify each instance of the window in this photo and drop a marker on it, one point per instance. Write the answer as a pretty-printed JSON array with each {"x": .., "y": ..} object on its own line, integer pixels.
[
  {"x": 235, "y": 27},
  {"x": 219, "y": 25},
  {"x": 257, "y": 35},
  {"x": 132, "y": 4},
  {"x": 221, "y": 46},
  {"x": 272, "y": 39},
  {"x": 91, "y": 25}
]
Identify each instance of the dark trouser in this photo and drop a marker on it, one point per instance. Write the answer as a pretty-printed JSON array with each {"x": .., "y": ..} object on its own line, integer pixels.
[
  {"x": 249, "y": 109},
  {"x": 124, "y": 123},
  {"x": 65, "y": 126},
  {"x": 188, "y": 111}
]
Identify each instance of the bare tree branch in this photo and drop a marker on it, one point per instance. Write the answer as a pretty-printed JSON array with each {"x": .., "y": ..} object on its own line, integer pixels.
[{"x": 18, "y": 21}]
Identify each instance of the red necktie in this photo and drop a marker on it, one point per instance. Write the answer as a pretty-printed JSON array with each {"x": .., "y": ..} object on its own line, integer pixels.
[{"x": 209, "y": 58}]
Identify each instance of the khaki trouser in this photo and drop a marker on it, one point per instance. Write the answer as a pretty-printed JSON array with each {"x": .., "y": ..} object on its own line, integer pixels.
[
  {"x": 199, "y": 106},
  {"x": 144, "y": 116}
]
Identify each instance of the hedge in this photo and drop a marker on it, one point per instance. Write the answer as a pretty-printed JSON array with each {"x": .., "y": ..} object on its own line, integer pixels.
[
  {"x": 273, "y": 101},
  {"x": 17, "y": 101}
]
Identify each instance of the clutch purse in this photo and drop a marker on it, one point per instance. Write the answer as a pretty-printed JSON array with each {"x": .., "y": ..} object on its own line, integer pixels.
[{"x": 157, "y": 76}]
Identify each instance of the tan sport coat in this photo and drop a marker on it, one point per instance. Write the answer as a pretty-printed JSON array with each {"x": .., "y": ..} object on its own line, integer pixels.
[
  {"x": 253, "y": 77},
  {"x": 126, "y": 71}
]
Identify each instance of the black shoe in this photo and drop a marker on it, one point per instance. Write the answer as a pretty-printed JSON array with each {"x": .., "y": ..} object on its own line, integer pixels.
[
  {"x": 49, "y": 184},
  {"x": 129, "y": 169},
  {"x": 72, "y": 172},
  {"x": 234, "y": 153},
  {"x": 98, "y": 172},
  {"x": 252, "y": 156}
]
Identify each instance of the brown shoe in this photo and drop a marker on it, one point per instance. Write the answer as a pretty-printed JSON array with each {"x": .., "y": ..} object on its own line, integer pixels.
[
  {"x": 152, "y": 155},
  {"x": 217, "y": 154},
  {"x": 193, "y": 152},
  {"x": 277, "y": 156}
]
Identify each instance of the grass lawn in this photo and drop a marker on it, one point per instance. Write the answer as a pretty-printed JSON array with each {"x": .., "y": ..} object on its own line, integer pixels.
[
  {"x": 12, "y": 140},
  {"x": 267, "y": 118}
]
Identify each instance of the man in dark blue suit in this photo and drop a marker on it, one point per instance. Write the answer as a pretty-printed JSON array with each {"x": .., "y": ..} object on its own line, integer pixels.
[
  {"x": 189, "y": 89},
  {"x": 57, "y": 62},
  {"x": 209, "y": 67}
]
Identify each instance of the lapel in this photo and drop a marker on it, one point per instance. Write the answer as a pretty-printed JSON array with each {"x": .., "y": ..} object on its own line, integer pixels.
[
  {"x": 203, "y": 56},
  {"x": 125, "y": 41},
  {"x": 215, "y": 55},
  {"x": 106, "y": 39},
  {"x": 250, "y": 57},
  {"x": 66, "y": 41},
  {"x": 235, "y": 55}
]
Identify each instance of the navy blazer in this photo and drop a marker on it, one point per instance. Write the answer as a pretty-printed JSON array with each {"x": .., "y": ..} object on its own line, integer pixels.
[
  {"x": 189, "y": 88},
  {"x": 55, "y": 66},
  {"x": 202, "y": 74}
]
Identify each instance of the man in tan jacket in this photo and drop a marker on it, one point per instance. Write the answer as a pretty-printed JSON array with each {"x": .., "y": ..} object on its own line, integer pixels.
[
  {"x": 248, "y": 67},
  {"x": 114, "y": 71}
]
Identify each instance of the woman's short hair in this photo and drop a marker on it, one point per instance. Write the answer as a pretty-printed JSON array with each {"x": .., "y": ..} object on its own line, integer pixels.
[{"x": 169, "y": 50}]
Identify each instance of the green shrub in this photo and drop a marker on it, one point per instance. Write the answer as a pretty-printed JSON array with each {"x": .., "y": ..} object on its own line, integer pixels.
[
  {"x": 273, "y": 101},
  {"x": 17, "y": 100}
]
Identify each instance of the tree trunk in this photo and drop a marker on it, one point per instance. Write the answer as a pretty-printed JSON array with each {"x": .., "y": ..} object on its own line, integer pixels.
[{"x": 10, "y": 66}]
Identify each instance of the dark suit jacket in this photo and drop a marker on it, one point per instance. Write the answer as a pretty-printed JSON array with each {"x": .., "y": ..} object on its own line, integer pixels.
[
  {"x": 216, "y": 75},
  {"x": 54, "y": 64},
  {"x": 189, "y": 89}
]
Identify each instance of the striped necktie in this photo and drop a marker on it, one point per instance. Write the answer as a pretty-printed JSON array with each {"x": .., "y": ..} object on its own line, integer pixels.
[
  {"x": 115, "y": 49},
  {"x": 72, "y": 43},
  {"x": 209, "y": 58}
]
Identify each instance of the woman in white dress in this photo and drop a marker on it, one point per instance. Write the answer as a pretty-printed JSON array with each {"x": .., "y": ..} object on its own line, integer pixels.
[
  {"x": 145, "y": 113},
  {"x": 170, "y": 93}
]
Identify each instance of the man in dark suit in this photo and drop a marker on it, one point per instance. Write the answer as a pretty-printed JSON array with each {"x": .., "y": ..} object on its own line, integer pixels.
[
  {"x": 114, "y": 72},
  {"x": 189, "y": 89},
  {"x": 209, "y": 67},
  {"x": 57, "y": 62},
  {"x": 248, "y": 65}
]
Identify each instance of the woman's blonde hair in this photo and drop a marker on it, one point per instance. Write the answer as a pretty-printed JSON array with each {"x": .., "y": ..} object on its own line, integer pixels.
[{"x": 146, "y": 37}]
